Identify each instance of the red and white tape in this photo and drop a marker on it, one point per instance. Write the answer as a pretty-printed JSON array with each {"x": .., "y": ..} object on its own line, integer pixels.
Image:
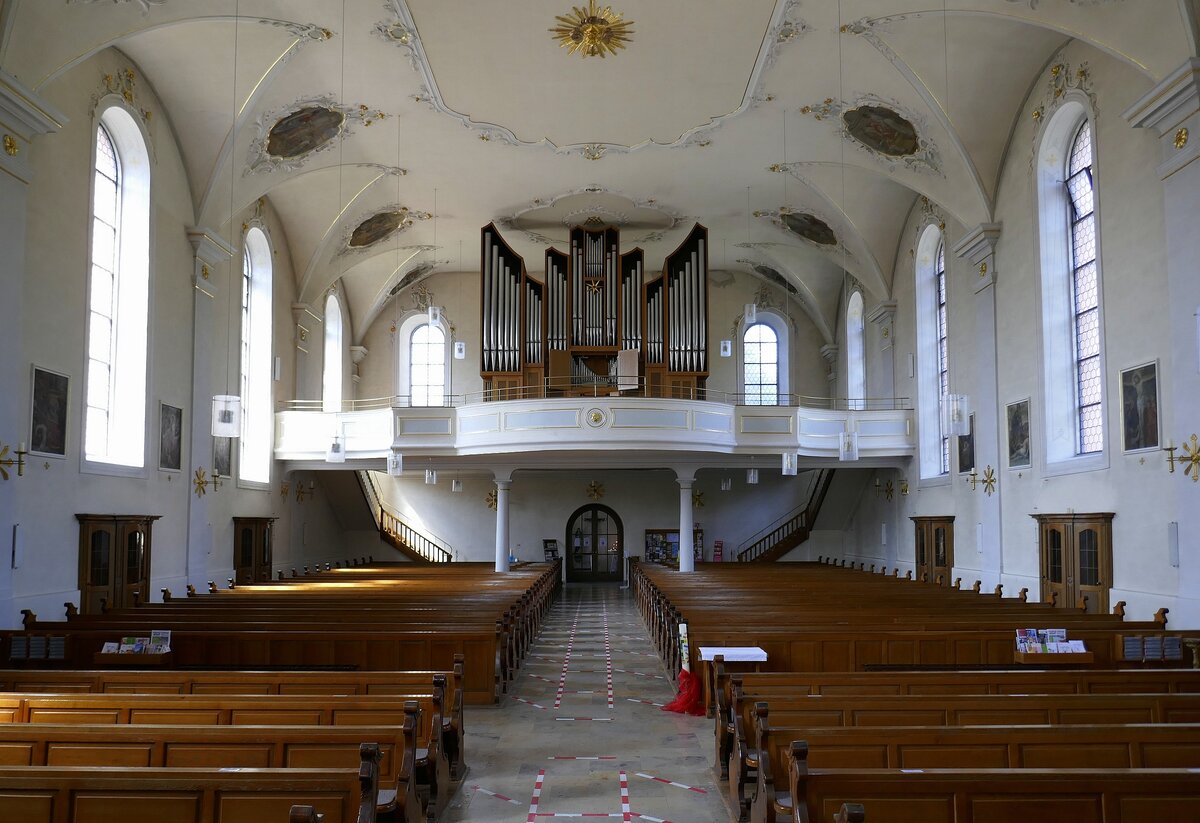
[
  {"x": 696, "y": 789},
  {"x": 625, "y": 797},
  {"x": 537, "y": 796},
  {"x": 526, "y": 702},
  {"x": 497, "y": 795}
]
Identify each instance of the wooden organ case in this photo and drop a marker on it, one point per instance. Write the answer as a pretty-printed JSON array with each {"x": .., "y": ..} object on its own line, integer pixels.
[{"x": 596, "y": 324}]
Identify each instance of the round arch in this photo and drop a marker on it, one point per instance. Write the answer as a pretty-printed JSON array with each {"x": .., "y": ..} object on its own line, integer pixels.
[{"x": 595, "y": 541}]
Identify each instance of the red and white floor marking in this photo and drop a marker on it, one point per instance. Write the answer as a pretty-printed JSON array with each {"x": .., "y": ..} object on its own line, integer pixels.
[
  {"x": 562, "y": 678},
  {"x": 608, "y": 666},
  {"x": 526, "y": 702},
  {"x": 696, "y": 789},
  {"x": 497, "y": 795},
  {"x": 597, "y": 719},
  {"x": 647, "y": 702},
  {"x": 537, "y": 796},
  {"x": 581, "y": 757},
  {"x": 625, "y": 796}
]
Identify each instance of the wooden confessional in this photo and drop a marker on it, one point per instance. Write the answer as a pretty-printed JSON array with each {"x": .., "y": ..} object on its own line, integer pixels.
[{"x": 595, "y": 324}]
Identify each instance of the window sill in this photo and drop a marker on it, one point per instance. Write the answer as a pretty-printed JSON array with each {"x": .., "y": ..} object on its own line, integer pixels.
[
  {"x": 112, "y": 469},
  {"x": 1076, "y": 465},
  {"x": 253, "y": 485},
  {"x": 934, "y": 482}
]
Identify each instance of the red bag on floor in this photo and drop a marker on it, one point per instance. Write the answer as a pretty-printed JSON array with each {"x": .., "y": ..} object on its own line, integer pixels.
[{"x": 690, "y": 699}]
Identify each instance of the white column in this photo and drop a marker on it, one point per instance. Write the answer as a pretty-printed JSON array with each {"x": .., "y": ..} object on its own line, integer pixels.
[
  {"x": 979, "y": 247},
  {"x": 502, "y": 487},
  {"x": 687, "y": 560},
  {"x": 1172, "y": 111},
  {"x": 211, "y": 251},
  {"x": 24, "y": 116}
]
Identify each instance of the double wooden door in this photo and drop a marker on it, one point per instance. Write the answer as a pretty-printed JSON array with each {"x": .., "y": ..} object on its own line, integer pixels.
[
  {"x": 935, "y": 548},
  {"x": 1076, "y": 559},
  {"x": 595, "y": 545},
  {"x": 114, "y": 560}
]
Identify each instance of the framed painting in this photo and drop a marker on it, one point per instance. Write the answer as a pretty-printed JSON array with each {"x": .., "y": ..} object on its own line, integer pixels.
[
  {"x": 966, "y": 448},
  {"x": 222, "y": 462},
  {"x": 48, "y": 413},
  {"x": 170, "y": 437},
  {"x": 1017, "y": 419},
  {"x": 1139, "y": 407}
]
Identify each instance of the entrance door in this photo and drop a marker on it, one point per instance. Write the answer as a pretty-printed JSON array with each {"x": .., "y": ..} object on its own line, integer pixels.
[
  {"x": 935, "y": 548},
  {"x": 595, "y": 545},
  {"x": 1076, "y": 555}
]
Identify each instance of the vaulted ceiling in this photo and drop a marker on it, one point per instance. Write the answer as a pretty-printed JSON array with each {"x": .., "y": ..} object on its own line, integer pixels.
[{"x": 801, "y": 132}]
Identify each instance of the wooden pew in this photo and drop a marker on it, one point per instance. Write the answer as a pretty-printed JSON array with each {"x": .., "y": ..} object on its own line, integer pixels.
[
  {"x": 968, "y": 747},
  {"x": 257, "y": 682},
  {"x": 943, "y": 710},
  {"x": 47, "y": 794},
  {"x": 229, "y": 747},
  {"x": 994, "y": 795},
  {"x": 432, "y": 767}
]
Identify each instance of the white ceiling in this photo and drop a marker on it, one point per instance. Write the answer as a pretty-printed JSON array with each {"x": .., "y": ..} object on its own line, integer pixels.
[{"x": 486, "y": 119}]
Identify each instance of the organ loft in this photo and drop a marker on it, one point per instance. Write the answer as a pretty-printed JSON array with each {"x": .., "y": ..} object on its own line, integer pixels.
[{"x": 597, "y": 322}]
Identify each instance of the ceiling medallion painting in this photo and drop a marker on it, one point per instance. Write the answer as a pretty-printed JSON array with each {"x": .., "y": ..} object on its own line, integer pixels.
[
  {"x": 287, "y": 137},
  {"x": 785, "y": 27},
  {"x": 596, "y": 31},
  {"x": 382, "y": 225},
  {"x": 803, "y": 224},
  {"x": 882, "y": 128}
]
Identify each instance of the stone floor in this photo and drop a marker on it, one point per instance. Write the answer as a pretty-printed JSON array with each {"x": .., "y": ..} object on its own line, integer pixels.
[{"x": 580, "y": 732}]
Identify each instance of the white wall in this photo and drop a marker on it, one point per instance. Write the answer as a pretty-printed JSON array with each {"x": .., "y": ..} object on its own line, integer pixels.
[
  {"x": 53, "y": 285},
  {"x": 1135, "y": 486}
]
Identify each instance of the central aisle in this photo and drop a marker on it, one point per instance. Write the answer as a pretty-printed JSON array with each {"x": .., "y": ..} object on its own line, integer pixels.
[{"x": 581, "y": 733}]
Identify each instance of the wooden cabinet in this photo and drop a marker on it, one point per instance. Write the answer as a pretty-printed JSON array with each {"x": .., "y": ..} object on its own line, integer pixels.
[
  {"x": 252, "y": 547},
  {"x": 1076, "y": 559},
  {"x": 934, "y": 547},
  {"x": 114, "y": 560}
]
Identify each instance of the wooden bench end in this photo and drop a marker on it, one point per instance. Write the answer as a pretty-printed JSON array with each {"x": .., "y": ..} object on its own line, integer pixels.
[
  {"x": 850, "y": 813},
  {"x": 304, "y": 814}
]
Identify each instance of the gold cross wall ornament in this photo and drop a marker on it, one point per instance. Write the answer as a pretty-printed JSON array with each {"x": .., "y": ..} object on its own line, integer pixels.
[
  {"x": 1191, "y": 459},
  {"x": 492, "y": 500},
  {"x": 200, "y": 481},
  {"x": 595, "y": 490},
  {"x": 989, "y": 481}
]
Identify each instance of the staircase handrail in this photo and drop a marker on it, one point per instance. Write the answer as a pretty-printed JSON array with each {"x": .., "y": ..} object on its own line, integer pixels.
[
  {"x": 432, "y": 551},
  {"x": 800, "y": 517}
]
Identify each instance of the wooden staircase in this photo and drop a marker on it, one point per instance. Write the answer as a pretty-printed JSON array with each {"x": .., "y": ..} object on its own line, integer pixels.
[
  {"x": 398, "y": 534},
  {"x": 785, "y": 534}
]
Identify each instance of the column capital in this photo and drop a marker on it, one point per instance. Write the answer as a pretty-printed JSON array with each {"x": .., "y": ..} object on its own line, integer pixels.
[
  {"x": 883, "y": 316},
  {"x": 23, "y": 116},
  {"x": 209, "y": 246},
  {"x": 829, "y": 353},
  {"x": 358, "y": 354},
  {"x": 503, "y": 485},
  {"x": 1172, "y": 110},
  {"x": 979, "y": 247}
]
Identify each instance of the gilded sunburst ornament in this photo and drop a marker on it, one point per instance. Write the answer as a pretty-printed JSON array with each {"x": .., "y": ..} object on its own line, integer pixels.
[
  {"x": 596, "y": 31},
  {"x": 989, "y": 481},
  {"x": 697, "y": 500},
  {"x": 491, "y": 500},
  {"x": 200, "y": 481},
  {"x": 1191, "y": 459},
  {"x": 595, "y": 490}
]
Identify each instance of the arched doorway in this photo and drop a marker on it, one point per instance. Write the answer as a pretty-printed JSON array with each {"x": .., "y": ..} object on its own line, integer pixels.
[{"x": 595, "y": 545}]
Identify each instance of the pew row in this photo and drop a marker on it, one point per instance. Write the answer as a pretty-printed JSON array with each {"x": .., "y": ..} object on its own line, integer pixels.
[
  {"x": 227, "y": 747},
  {"x": 992, "y": 795},
  {"x": 440, "y": 685},
  {"x": 90, "y": 794}
]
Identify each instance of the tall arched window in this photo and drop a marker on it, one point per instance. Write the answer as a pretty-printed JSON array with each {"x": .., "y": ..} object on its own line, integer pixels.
[
  {"x": 1072, "y": 311},
  {"x": 427, "y": 366},
  {"x": 114, "y": 430},
  {"x": 856, "y": 367},
  {"x": 933, "y": 369},
  {"x": 760, "y": 363},
  {"x": 332, "y": 394},
  {"x": 257, "y": 414}
]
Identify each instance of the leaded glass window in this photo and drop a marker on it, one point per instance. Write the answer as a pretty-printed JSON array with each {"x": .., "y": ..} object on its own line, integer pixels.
[
  {"x": 760, "y": 355},
  {"x": 1085, "y": 294}
]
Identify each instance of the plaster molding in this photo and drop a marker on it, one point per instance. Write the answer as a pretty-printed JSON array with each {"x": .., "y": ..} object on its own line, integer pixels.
[
  {"x": 23, "y": 115},
  {"x": 259, "y": 160},
  {"x": 144, "y": 4},
  {"x": 786, "y": 27},
  {"x": 979, "y": 247},
  {"x": 509, "y": 222},
  {"x": 209, "y": 246},
  {"x": 344, "y": 247},
  {"x": 775, "y": 218},
  {"x": 1171, "y": 102}
]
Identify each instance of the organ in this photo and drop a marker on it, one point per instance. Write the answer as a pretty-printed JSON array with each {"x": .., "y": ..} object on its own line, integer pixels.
[{"x": 596, "y": 323}]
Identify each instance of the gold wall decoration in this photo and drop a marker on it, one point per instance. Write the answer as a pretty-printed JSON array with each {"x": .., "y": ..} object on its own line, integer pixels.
[
  {"x": 10, "y": 145},
  {"x": 697, "y": 500},
  {"x": 124, "y": 83},
  {"x": 200, "y": 481},
  {"x": 492, "y": 500},
  {"x": 17, "y": 460},
  {"x": 594, "y": 151},
  {"x": 1191, "y": 459},
  {"x": 595, "y": 490},
  {"x": 596, "y": 31},
  {"x": 1181, "y": 138},
  {"x": 989, "y": 481}
]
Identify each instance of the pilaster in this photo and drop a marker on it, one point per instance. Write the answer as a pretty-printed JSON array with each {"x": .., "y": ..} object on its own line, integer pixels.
[{"x": 883, "y": 319}]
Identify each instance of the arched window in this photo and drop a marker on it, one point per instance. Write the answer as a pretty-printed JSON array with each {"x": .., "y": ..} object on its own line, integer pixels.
[
  {"x": 427, "y": 366},
  {"x": 760, "y": 364},
  {"x": 1072, "y": 318},
  {"x": 933, "y": 369},
  {"x": 856, "y": 367},
  {"x": 257, "y": 414},
  {"x": 114, "y": 430},
  {"x": 332, "y": 394}
]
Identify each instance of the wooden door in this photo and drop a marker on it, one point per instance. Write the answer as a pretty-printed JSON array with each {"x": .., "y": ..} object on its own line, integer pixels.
[
  {"x": 595, "y": 545},
  {"x": 252, "y": 550},
  {"x": 1076, "y": 560},
  {"x": 114, "y": 560},
  {"x": 934, "y": 548}
]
